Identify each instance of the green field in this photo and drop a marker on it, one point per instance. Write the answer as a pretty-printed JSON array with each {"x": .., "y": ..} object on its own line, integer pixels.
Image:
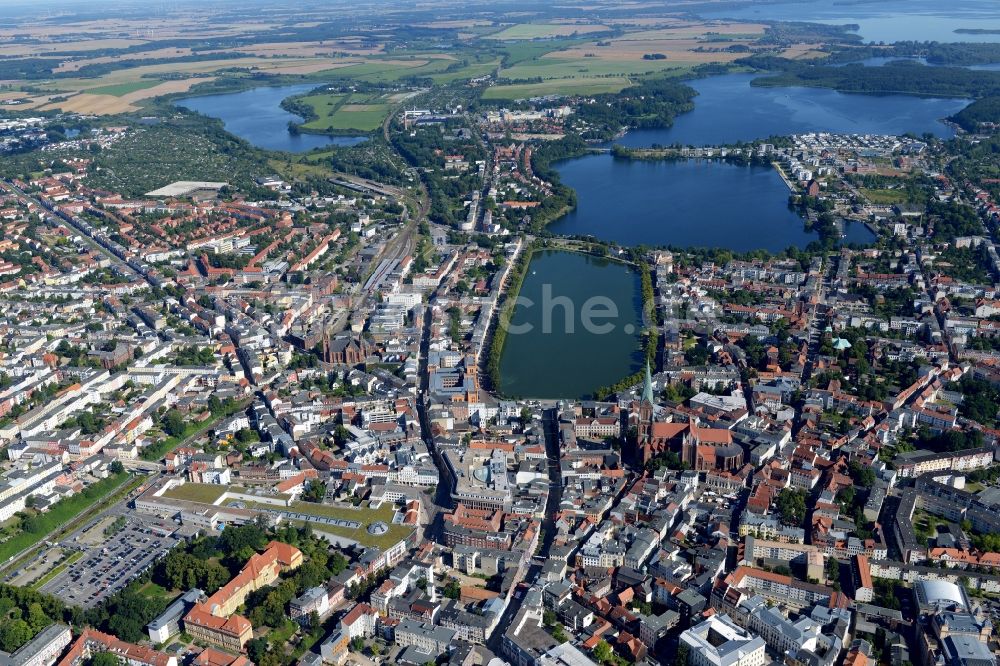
[
  {"x": 365, "y": 516},
  {"x": 517, "y": 52},
  {"x": 580, "y": 86},
  {"x": 470, "y": 71},
  {"x": 205, "y": 493},
  {"x": 153, "y": 591},
  {"x": 885, "y": 197},
  {"x": 540, "y": 30},
  {"x": 124, "y": 88},
  {"x": 365, "y": 119},
  {"x": 554, "y": 68},
  {"x": 345, "y": 112},
  {"x": 390, "y": 71}
]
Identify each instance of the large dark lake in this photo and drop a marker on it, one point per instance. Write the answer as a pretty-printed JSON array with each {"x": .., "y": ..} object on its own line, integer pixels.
[
  {"x": 685, "y": 203},
  {"x": 256, "y": 115},
  {"x": 559, "y": 358},
  {"x": 882, "y": 20},
  {"x": 711, "y": 204},
  {"x": 728, "y": 109}
]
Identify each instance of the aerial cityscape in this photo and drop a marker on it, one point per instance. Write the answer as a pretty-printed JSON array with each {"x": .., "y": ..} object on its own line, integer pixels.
[{"x": 467, "y": 333}]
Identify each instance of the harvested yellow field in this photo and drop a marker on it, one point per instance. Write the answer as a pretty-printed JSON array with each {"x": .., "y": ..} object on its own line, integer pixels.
[
  {"x": 803, "y": 52},
  {"x": 89, "y": 103},
  {"x": 106, "y": 30},
  {"x": 167, "y": 88},
  {"x": 694, "y": 30},
  {"x": 307, "y": 49},
  {"x": 471, "y": 23},
  {"x": 168, "y": 52},
  {"x": 676, "y": 50},
  {"x": 131, "y": 74},
  {"x": 10, "y": 50},
  {"x": 92, "y": 104},
  {"x": 312, "y": 68},
  {"x": 643, "y": 21}
]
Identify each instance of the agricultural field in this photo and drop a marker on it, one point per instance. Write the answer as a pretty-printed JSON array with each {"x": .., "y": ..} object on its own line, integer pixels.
[
  {"x": 553, "y": 68},
  {"x": 546, "y": 31},
  {"x": 391, "y": 70},
  {"x": 470, "y": 71},
  {"x": 578, "y": 86},
  {"x": 360, "y": 112},
  {"x": 122, "y": 89},
  {"x": 74, "y": 64},
  {"x": 122, "y": 97},
  {"x": 643, "y": 52},
  {"x": 42, "y": 48}
]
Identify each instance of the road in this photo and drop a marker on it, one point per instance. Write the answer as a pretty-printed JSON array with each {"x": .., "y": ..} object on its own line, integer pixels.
[
  {"x": 114, "y": 259},
  {"x": 550, "y": 423},
  {"x": 85, "y": 518}
]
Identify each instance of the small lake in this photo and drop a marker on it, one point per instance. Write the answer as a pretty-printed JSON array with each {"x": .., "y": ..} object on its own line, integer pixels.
[
  {"x": 728, "y": 109},
  {"x": 685, "y": 203},
  {"x": 256, "y": 116},
  {"x": 883, "y": 21},
  {"x": 554, "y": 360}
]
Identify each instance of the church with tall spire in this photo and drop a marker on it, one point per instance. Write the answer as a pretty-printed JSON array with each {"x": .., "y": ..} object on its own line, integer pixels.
[
  {"x": 659, "y": 430},
  {"x": 645, "y": 410}
]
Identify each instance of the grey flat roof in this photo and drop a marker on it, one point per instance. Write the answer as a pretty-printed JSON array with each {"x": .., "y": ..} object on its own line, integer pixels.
[{"x": 182, "y": 187}]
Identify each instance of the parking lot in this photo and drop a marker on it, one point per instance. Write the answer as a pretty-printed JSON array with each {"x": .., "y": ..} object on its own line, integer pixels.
[{"x": 107, "y": 567}]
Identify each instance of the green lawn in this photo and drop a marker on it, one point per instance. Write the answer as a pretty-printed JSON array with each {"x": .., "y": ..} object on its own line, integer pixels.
[
  {"x": 279, "y": 637},
  {"x": 153, "y": 591},
  {"x": 364, "y": 119},
  {"x": 580, "y": 86},
  {"x": 345, "y": 112},
  {"x": 884, "y": 197},
  {"x": 363, "y": 515},
  {"x": 124, "y": 88},
  {"x": 205, "y": 493}
]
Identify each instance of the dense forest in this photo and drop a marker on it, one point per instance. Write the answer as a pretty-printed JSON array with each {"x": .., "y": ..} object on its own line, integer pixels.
[
  {"x": 563, "y": 198},
  {"x": 650, "y": 104},
  {"x": 904, "y": 77},
  {"x": 986, "y": 110}
]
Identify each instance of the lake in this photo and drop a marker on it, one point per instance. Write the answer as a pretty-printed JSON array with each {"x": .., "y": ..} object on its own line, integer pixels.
[
  {"x": 684, "y": 203},
  {"x": 728, "y": 109},
  {"x": 256, "y": 116},
  {"x": 883, "y": 21},
  {"x": 560, "y": 361}
]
